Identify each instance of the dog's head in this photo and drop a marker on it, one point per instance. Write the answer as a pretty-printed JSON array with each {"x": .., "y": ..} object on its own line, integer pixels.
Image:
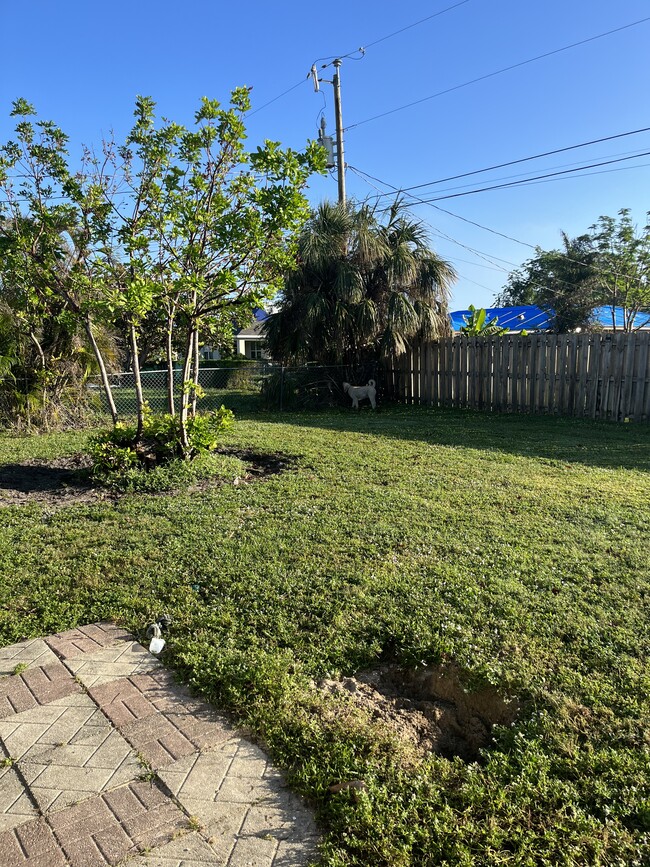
[{"x": 346, "y": 387}]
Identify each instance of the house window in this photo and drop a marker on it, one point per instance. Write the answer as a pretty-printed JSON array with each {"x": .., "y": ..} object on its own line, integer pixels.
[{"x": 253, "y": 349}]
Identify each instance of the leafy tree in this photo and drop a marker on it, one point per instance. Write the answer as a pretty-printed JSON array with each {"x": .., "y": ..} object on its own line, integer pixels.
[
  {"x": 219, "y": 226},
  {"x": 478, "y": 325},
  {"x": 51, "y": 227},
  {"x": 561, "y": 282},
  {"x": 362, "y": 288},
  {"x": 177, "y": 226},
  {"x": 608, "y": 266},
  {"x": 623, "y": 273}
]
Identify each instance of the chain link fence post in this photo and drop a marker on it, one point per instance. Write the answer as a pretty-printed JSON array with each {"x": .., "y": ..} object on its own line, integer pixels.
[{"x": 281, "y": 387}]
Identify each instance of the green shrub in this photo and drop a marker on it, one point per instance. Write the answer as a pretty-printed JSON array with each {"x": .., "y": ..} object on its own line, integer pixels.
[
  {"x": 302, "y": 388},
  {"x": 121, "y": 459}
]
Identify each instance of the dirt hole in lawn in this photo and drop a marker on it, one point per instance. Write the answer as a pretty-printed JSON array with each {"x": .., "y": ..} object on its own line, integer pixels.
[
  {"x": 428, "y": 707},
  {"x": 65, "y": 481}
]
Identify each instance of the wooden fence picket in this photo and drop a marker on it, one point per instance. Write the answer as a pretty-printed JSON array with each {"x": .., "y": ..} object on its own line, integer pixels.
[{"x": 601, "y": 376}]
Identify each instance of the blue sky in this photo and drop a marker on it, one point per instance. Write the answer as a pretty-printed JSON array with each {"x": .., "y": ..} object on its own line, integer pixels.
[{"x": 82, "y": 65}]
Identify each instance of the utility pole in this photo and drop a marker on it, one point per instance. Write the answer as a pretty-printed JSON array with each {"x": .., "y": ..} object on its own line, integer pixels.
[
  {"x": 340, "y": 152},
  {"x": 325, "y": 140}
]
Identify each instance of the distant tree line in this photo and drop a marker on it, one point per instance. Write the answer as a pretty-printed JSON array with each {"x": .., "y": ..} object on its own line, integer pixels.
[{"x": 607, "y": 266}]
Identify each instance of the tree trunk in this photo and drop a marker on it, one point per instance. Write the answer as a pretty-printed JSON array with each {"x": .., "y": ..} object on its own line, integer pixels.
[
  {"x": 170, "y": 368},
  {"x": 195, "y": 377},
  {"x": 39, "y": 349},
  {"x": 88, "y": 327},
  {"x": 185, "y": 400},
  {"x": 139, "y": 397}
]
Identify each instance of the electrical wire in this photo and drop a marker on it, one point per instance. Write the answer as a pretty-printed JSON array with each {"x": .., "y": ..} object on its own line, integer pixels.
[
  {"x": 362, "y": 49},
  {"x": 415, "y": 24},
  {"x": 418, "y": 200},
  {"x": 526, "y": 181},
  {"x": 276, "y": 98},
  {"x": 525, "y": 159},
  {"x": 557, "y": 175},
  {"x": 526, "y": 176},
  {"x": 498, "y": 72}
]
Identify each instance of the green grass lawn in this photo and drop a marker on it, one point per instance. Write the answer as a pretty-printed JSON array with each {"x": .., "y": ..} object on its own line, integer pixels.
[{"x": 516, "y": 546}]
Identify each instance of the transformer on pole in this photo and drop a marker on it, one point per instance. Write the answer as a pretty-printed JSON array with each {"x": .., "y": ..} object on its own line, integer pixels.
[{"x": 326, "y": 141}]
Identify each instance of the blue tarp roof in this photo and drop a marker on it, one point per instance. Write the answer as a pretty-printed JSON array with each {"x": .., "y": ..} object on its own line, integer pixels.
[
  {"x": 604, "y": 316},
  {"x": 533, "y": 318},
  {"x": 526, "y": 316}
]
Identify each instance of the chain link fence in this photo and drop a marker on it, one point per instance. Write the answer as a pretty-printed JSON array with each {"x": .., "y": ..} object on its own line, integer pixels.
[{"x": 243, "y": 388}]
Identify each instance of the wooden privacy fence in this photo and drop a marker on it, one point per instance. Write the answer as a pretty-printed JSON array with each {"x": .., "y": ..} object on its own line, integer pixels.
[{"x": 602, "y": 376}]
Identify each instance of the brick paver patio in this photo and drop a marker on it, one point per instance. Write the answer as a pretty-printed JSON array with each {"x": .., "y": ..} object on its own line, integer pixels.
[{"x": 105, "y": 760}]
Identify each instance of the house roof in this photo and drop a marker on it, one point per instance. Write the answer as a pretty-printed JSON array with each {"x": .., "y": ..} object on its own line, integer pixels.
[
  {"x": 603, "y": 315},
  {"x": 255, "y": 327},
  {"x": 254, "y": 330},
  {"x": 529, "y": 317}
]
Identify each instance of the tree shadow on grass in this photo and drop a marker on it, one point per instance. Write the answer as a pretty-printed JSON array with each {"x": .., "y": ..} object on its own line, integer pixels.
[
  {"x": 46, "y": 481},
  {"x": 602, "y": 444}
]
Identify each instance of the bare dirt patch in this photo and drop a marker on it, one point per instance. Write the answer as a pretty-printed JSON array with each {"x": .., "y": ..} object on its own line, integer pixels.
[
  {"x": 66, "y": 481},
  {"x": 59, "y": 482},
  {"x": 429, "y": 707}
]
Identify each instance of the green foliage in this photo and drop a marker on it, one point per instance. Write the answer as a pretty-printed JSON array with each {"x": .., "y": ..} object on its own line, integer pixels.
[
  {"x": 608, "y": 266},
  {"x": 122, "y": 459},
  {"x": 360, "y": 288},
  {"x": 477, "y": 324},
  {"x": 623, "y": 258},
  {"x": 205, "y": 232}
]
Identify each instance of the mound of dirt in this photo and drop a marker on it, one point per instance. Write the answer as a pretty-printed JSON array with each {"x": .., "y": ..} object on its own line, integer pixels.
[
  {"x": 66, "y": 481},
  {"x": 428, "y": 707},
  {"x": 59, "y": 482}
]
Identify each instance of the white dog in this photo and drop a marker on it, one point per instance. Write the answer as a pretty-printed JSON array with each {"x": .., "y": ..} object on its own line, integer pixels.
[{"x": 358, "y": 392}]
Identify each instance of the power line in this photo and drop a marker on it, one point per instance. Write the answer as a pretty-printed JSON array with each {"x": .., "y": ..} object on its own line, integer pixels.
[
  {"x": 527, "y": 175},
  {"x": 418, "y": 200},
  {"x": 498, "y": 72},
  {"x": 416, "y": 23},
  {"x": 362, "y": 50},
  {"x": 524, "y": 159},
  {"x": 526, "y": 181},
  {"x": 279, "y": 96},
  {"x": 438, "y": 232}
]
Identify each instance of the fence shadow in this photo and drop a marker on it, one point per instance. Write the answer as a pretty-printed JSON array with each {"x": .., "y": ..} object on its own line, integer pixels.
[{"x": 569, "y": 440}]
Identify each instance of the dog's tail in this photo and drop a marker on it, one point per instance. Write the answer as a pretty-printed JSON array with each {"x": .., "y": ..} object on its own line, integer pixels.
[{"x": 372, "y": 383}]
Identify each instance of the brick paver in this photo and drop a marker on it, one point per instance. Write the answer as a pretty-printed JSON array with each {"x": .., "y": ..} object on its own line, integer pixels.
[
  {"x": 38, "y": 685},
  {"x": 245, "y": 811},
  {"x": 31, "y": 844},
  {"x": 16, "y": 807},
  {"x": 110, "y": 663},
  {"x": 77, "y": 755},
  {"x": 107, "y": 828},
  {"x": 86, "y": 639},
  {"x": 27, "y": 653},
  {"x": 75, "y": 722},
  {"x": 157, "y": 741},
  {"x": 159, "y": 718},
  {"x": 190, "y": 850}
]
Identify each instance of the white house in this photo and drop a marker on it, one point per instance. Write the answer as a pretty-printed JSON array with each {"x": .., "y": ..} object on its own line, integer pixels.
[{"x": 249, "y": 341}]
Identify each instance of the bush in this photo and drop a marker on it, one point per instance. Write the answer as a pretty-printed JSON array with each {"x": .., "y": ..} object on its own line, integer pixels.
[
  {"x": 120, "y": 457},
  {"x": 310, "y": 387}
]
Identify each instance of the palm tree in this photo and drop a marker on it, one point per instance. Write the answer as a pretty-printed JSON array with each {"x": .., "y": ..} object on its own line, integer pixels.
[{"x": 362, "y": 288}]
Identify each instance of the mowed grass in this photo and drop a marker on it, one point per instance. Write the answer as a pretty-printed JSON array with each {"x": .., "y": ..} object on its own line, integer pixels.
[{"x": 516, "y": 546}]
